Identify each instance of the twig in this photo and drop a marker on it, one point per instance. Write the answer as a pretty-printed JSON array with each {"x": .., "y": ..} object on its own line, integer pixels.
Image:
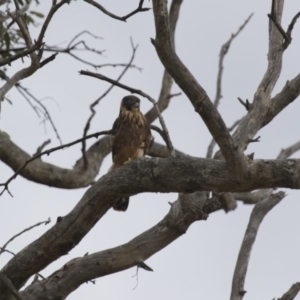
[
  {"x": 287, "y": 36},
  {"x": 25, "y": 72},
  {"x": 10, "y": 286},
  {"x": 223, "y": 52},
  {"x": 292, "y": 292},
  {"x": 20, "y": 233},
  {"x": 48, "y": 59},
  {"x": 291, "y": 26},
  {"x": 93, "y": 112},
  {"x": 162, "y": 134},
  {"x": 40, "y": 148},
  {"x": 39, "y": 42},
  {"x": 45, "y": 110},
  {"x": 254, "y": 140},
  {"x": 5, "y": 250},
  {"x": 48, "y": 152},
  {"x": 139, "y": 92},
  {"x": 287, "y": 152},
  {"x": 142, "y": 265},
  {"x": 246, "y": 104},
  {"x": 213, "y": 142},
  {"x": 259, "y": 211},
  {"x": 100, "y": 7}
]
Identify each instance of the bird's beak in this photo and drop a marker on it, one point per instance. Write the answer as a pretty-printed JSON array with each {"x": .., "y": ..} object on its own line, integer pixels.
[{"x": 137, "y": 105}]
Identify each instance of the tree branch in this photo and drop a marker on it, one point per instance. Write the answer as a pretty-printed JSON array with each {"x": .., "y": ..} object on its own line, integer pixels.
[
  {"x": 49, "y": 151},
  {"x": 39, "y": 41},
  {"x": 185, "y": 211},
  {"x": 140, "y": 8},
  {"x": 196, "y": 94},
  {"x": 260, "y": 210},
  {"x": 2, "y": 249},
  {"x": 223, "y": 52},
  {"x": 292, "y": 292},
  {"x": 181, "y": 174},
  {"x": 10, "y": 287},
  {"x": 261, "y": 110}
]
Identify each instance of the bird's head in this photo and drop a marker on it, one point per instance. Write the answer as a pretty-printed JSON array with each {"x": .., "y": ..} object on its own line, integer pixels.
[{"x": 130, "y": 103}]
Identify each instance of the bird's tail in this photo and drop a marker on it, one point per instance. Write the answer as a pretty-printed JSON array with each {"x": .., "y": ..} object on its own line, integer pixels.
[{"x": 121, "y": 204}]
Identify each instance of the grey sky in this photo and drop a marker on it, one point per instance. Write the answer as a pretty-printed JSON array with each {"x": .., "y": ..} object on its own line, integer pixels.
[{"x": 200, "y": 264}]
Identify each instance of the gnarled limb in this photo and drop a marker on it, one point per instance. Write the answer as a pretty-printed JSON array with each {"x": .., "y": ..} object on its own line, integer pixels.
[
  {"x": 192, "y": 88},
  {"x": 260, "y": 210},
  {"x": 185, "y": 211},
  {"x": 181, "y": 174}
]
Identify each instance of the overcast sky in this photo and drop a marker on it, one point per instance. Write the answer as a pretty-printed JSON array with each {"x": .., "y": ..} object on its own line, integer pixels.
[{"x": 200, "y": 264}]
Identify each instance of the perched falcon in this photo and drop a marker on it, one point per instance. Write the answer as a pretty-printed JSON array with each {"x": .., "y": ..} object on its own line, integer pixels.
[{"x": 131, "y": 138}]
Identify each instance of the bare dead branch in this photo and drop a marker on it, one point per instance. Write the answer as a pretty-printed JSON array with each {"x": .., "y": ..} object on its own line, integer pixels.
[
  {"x": 292, "y": 292},
  {"x": 141, "y": 264},
  {"x": 258, "y": 196},
  {"x": 260, "y": 210},
  {"x": 180, "y": 174},
  {"x": 246, "y": 104},
  {"x": 40, "y": 148},
  {"x": 256, "y": 140},
  {"x": 140, "y": 8},
  {"x": 139, "y": 92},
  {"x": 285, "y": 153},
  {"x": 212, "y": 144},
  {"x": 196, "y": 94},
  {"x": 167, "y": 81},
  {"x": 48, "y": 59},
  {"x": 250, "y": 198},
  {"x": 272, "y": 16},
  {"x": 92, "y": 106},
  {"x": 223, "y": 52},
  {"x": 5, "y": 250},
  {"x": 48, "y": 152},
  {"x": 262, "y": 107},
  {"x": 45, "y": 110},
  {"x": 20, "y": 233},
  {"x": 186, "y": 210},
  {"x": 163, "y": 135},
  {"x": 292, "y": 24},
  {"x": 288, "y": 94},
  {"x": 10, "y": 286}
]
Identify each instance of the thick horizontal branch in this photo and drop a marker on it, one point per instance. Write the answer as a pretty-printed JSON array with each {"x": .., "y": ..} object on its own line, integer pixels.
[
  {"x": 51, "y": 175},
  {"x": 183, "y": 174}
]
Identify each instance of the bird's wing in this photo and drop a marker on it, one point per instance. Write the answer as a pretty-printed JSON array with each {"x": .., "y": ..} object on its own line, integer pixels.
[{"x": 115, "y": 130}]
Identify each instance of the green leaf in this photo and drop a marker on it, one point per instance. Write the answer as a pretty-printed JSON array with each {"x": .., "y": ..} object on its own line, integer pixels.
[
  {"x": 36, "y": 13},
  {"x": 29, "y": 20},
  {"x": 21, "y": 2}
]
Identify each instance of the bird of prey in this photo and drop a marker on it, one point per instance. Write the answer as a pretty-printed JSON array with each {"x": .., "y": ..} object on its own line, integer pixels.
[{"x": 131, "y": 138}]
